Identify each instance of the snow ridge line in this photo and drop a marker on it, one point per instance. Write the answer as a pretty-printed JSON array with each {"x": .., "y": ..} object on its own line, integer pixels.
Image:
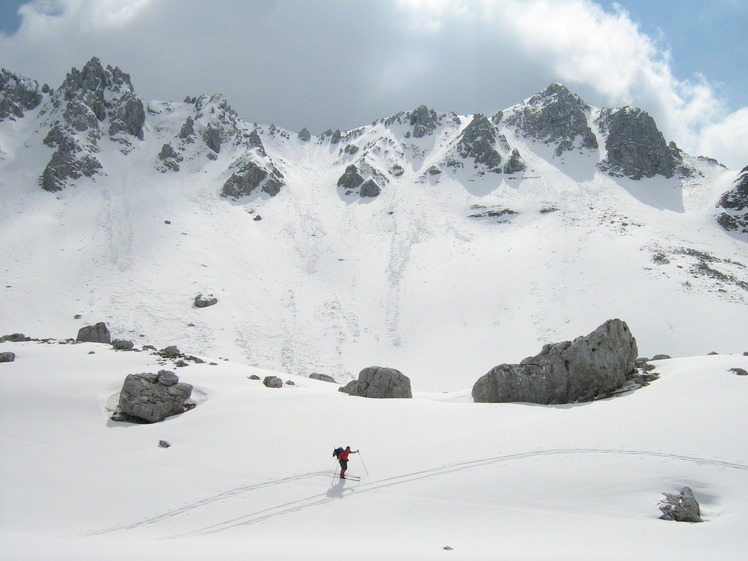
[
  {"x": 203, "y": 502},
  {"x": 320, "y": 499}
]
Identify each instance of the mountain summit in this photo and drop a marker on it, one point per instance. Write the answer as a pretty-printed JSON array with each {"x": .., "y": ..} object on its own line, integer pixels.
[{"x": 435, "y": 243}]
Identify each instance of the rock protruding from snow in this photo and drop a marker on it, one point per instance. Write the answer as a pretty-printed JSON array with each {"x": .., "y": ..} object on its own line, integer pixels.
[
  {"x": 17, "y": 94},
  {"x": 304, "y": 135},
  {"x": 681, "y": 507},
  {"x": 272, "y": 382},
  {"x": 322, "y": 377},
  {"x": 98, "y": 333},
  {"x": 422, "y": 121},
  {"x": 478, "y": 143},
  {"x": 734, "y": 205},
  {"x": 555, "y": 116},
  {"x": 635, "y": 146},
  {"x": 77, "y": 115},
  {"x": 379, "y": 382},
  {"x": 565, "y": 372},
  {"x": 350, "y": 178},
  {"x": 153, "y": 397},
  {"x": 7, "y": 356},
  {"x": 205, "y": 300}
]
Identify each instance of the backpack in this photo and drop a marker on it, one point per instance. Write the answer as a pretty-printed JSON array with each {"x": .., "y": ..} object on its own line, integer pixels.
[{"x": 337, "y": 452}]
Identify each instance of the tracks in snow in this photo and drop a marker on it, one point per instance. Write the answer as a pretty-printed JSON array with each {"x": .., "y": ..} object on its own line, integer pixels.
[{"x": 337, "y": 491}]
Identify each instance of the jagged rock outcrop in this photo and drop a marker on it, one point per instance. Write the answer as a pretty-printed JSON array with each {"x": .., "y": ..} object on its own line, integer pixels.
[
  {"x": 98, "y": 333},
  {"x": 515, "y": 163},
  {"x": 681, "y": 507},
  {"x": 351, "y": 178},
  {"x": 251, "y": 177},
  {"x": 478, "y": 142},
  {"x": 304, "y": 135},
  {"x": 153, "y": 397},
  {"x": 379, "y": 382},
  {"x": 635, "y": 147},
  {"x": 17, "y": 95},
  {"x": 734, "y": 205},
  {"x": 422, "y": 120},
  {"x": 565, "y": 372},
  {"x": 555, "y": 116},
  {"x": 370, "y": 189},
  {"x": 77, "y": 114}
]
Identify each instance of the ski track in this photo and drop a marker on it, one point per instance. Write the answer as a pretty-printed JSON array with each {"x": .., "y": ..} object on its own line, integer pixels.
[{"x": 331, "y": 495}]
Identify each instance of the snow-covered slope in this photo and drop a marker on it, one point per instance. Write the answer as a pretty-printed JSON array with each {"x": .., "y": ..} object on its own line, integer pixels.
[
  {"x": 488, "y": 236},
  {"x": 249, "y": 473}
]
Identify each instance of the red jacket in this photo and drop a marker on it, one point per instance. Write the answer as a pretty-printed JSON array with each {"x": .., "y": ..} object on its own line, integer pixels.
[{"x": 344, "y": 454}]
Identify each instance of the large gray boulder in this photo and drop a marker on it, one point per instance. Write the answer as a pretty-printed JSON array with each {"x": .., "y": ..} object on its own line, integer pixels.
[
  {"x": 98, "y": 333},
  {"x": 565, "y": 372},
  {"x": 153, "y": 397},
  {"x": 681, "y": 507},
  {"x": 7, "y": 357},
  {"x": 379, "y": 382}
]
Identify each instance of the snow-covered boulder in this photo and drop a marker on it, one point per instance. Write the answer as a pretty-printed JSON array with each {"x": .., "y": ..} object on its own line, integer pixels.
[
  {"x": 565, "y": 372},
  {"x": 153, "y": 397},
  {"x": 379, "y": 382},
  {"x": 98, "y": 333}
]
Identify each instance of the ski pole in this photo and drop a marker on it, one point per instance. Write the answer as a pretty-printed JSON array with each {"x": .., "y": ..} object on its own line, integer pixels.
[{"x": 362, "y": 463}]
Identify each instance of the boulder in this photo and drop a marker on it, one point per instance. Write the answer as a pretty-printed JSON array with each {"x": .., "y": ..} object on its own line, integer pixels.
[
  {"x": 350, "y": 178},
  {"x": 379, "y": 382},
  {"x": 370, "y": 189},
  {"x": 322, "y": 377},
  {"x": 7, "y": 357},
  {"x": 681, "y": 507},
  {"x": 98, "y": 333},
  {"x": 205, "y": 300},
  {"x": 123, "y": 345},
  {"x": 273, "y": 382},
  {"x": 565, "y": 372},
  {"x": 153, "y": 397}
]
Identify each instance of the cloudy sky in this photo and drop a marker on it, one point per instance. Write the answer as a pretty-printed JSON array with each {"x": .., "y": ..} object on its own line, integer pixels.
[{"x": 345, "y": 63}]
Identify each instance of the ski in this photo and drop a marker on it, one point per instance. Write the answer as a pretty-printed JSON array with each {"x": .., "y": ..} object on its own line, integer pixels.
[{"x": 351, "y": 477}]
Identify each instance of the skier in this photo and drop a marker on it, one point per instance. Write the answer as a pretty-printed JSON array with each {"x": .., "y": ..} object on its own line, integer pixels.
[{"x": 343, "y": 459}]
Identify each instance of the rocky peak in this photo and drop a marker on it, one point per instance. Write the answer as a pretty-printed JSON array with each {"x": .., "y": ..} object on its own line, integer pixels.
[
  {"x": 734, "y": 205},
  {"x": 555, "y": 116},
  {"x": 635, "y": 146},
  {"x": 17, "y": 94},
  {"x": 478, "y": 141},
  {"x": 422, "y": 119}
]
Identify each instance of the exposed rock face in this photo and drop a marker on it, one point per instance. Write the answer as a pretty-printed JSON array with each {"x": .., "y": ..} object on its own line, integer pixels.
[
  {"x": 478, "y": 142},
  {"x": 423, "y": 120},
  {"x": 565, "y": 372},
  {"x": 98, "y": 333},
  {"x": 734, "y": 204},
  {"x": 77, "y": 112},
  {"x": 681, "y": 507},
  {"x": 634, "y": 144},
  {"x": 17, "y": 94},
  {"x": 252, "y": 177},
  {"x": 304, "y": 135},
  {"x": 7, "y": 356},
  {"x": 555, "y": 116},
  {"x": 350, "y": 178},
  {"x": 205, "y": 300},
  {"x": 515, "y": 163},
  {"x": 153, "y": 397},
  {"x": 378, "y": 382},
  {"x": 370, "y": 189}
]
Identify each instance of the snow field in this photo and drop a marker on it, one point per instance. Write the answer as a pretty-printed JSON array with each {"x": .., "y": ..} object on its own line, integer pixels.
[{"x": 249, "y": 471}]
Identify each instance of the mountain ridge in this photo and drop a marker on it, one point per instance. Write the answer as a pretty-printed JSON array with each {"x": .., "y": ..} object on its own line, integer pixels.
[{"x": 454, "y": 243}]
